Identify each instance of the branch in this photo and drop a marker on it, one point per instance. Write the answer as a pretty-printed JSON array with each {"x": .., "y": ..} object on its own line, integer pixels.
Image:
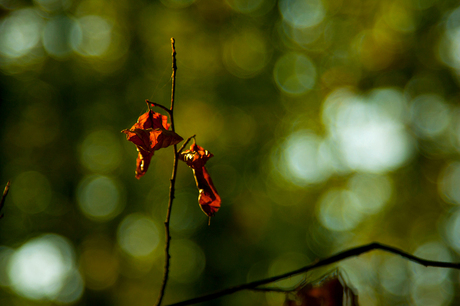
[
  {"x": 5, "y": 193},
  {"x": 173, "y": 181},
  {"x": 334, "y": 258},
  {"x": 174, "y": 69},
  {"x": 185, "y": 143},
  {"x": 159, "y": 105}
]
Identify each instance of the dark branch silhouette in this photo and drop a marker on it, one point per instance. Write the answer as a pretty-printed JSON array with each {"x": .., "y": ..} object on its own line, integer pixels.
[
  {"x": 173, "y": 179},
  {"x": 333, "y": 259}
]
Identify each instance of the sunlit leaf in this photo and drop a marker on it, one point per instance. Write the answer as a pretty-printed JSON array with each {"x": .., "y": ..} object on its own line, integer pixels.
[
  {"x": 196, "y": 158},
  {"x": 150, "y": 133}
]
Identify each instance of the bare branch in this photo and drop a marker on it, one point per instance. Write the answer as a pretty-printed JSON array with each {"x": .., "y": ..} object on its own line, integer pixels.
[
  {"x": 173, "y": 181},
  {"x": 333, "y": 259}
]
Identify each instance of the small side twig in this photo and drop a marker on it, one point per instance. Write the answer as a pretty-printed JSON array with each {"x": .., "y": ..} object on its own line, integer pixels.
[
  {"x": 159, "y": 105},
  {"x": 173, "y": 180},
  {"x": 185, "y": 144},
  {"x": 333, "y": 259},
  {"x": 5, "y": 193}
]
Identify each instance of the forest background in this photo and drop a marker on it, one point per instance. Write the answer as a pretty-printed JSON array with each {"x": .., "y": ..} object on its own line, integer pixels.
[{"x": 332, "y": 123}]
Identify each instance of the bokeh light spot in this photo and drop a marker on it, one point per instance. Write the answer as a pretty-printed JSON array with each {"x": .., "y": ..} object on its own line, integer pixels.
[
  {"x": 303, "y": 159},
  {"x": 100, "y": 151},
  {"x": 432, "y": 295},
  {"x": 449, "y": 47},
  {"x": 452, "y": 230},
  {"x": 303, "y": 36},
  {"x": 91, "y": 35},
  {"x": 189, "y": 267},
  {"x": 294, "y": 73},
  {"x": 138, "y": 235},
  {"x": 5, "y": 256},
  {"x": 20, "y": 33},
  {"x": 373, "y": 191},
  {"x": 370, "y": 136},
  {"x": 56, "y": 36},
  {"x": 302, "y": 13},
  {"x": 340, "y": 210},
  {"x": 245, "y": 54},
  {"x": 399, "y": 17},
  {"x": 72, "y": 289},
  {"x": 41, "y": 268},
  {"x": 430, "y": 115},
  {"x": 32, "y": 192},
  {"x": 449, "y": 181},
  {"x": 394, "y": 275},
  {"x": 431, "y": 286},
  {"x": 99, "y": 197},
  {"x": 431, "y": 276}
]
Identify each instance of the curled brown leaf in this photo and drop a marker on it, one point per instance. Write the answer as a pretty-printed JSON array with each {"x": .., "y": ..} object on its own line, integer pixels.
[
  {"x": 208, "y": 198},
  {"x": 150, "y": 133}
]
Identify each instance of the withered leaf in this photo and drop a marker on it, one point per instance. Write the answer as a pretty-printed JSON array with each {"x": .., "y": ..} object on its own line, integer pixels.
[
  {"x": 150, "y": 133},
  {"x": 208, "y": 198},
  {"x": 331, "y": 290}
]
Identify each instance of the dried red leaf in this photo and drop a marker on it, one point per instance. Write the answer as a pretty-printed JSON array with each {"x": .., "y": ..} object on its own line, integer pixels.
[
  {"x": 150, "y": 133},
  {"x": 331, "y": 290},
  {"x": 196, "y": 158}
]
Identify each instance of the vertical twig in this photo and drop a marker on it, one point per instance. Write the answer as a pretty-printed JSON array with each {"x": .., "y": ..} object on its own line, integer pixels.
[
  {"x": 173, "y": 180},
  {"x": 5, "y": 193},
  {"x": 173, "y": 76}
]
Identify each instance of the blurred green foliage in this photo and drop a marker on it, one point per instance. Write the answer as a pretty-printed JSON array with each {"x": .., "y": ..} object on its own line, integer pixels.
[{"x": 332, "y": 124}]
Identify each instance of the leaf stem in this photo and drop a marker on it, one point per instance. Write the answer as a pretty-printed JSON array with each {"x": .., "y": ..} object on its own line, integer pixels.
[
  {"x": 333, "y": 259},
  {"x": 185, "y": 143},
  {"x": 173, "y": 180},
  {"x": 160, "y": 106}
]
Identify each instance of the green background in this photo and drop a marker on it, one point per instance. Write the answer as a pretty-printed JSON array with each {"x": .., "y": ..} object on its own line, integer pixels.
[{"x": 332, "y": 123}]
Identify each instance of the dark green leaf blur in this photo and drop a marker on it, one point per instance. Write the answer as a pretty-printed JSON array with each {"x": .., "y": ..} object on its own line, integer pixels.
[{"x": 333, "y": 124}]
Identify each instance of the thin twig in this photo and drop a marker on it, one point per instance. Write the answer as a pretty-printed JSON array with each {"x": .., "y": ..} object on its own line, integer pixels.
[
  {"x": 5, "y": 193},
  {"x": 174, "y": 69},
  {"x": 185, "y": 143},
  {"x": 173, "y": 181},
  {"x": 159, "y": 105},
  {"x": 334, "y": 258}
]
